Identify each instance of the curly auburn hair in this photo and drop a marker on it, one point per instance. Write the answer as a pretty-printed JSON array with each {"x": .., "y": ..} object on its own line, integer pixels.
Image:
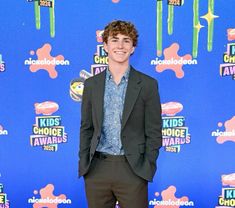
[{"x": 120, "y": 27}]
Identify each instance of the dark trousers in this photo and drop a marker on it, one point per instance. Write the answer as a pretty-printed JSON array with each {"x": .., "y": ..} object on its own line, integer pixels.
[{"x": 110, "y": 179}]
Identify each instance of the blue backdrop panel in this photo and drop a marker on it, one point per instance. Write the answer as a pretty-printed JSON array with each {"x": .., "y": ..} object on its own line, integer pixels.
[{"x": 49, "y": 47}]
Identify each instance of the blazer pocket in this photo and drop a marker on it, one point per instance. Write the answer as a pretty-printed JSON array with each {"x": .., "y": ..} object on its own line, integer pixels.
[{"x": 141, "y": 148}]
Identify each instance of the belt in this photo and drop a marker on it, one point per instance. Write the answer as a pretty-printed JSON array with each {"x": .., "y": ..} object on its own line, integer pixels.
[{"x": 105, "y": 156}]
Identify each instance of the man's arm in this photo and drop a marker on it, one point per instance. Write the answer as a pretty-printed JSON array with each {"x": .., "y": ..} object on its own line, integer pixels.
[
  {"x": 86, "y": 128},
  {"x": 153, "y": 123}
]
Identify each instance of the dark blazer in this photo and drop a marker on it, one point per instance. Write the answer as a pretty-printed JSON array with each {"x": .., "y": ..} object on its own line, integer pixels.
[{"x": 141, "y": 131}]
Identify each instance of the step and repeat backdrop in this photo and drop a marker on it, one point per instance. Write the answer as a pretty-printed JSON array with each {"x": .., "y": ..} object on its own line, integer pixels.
[{"x": 49, "y": 47}]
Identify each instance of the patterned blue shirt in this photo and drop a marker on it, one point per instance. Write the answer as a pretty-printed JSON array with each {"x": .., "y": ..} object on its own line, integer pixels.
[{"x": 114, "y": 97}]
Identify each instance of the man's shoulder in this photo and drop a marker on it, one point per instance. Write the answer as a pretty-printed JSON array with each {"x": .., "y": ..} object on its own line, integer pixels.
[
  {"x": 144, "y": 77},
  {"x": 94, "y": 78}
]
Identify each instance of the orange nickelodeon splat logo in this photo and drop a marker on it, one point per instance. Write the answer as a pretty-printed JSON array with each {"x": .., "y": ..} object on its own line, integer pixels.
[
  {"x": 229, "y": 131},
  {"x": 170, "y": 200},
  {"x": 45, "y": 61},
  {"x": 48, "y": 199},
  {"x": 173, "y": 61}
]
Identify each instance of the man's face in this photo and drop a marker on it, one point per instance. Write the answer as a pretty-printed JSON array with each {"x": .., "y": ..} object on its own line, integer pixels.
[{"x": 119, "y": 49}]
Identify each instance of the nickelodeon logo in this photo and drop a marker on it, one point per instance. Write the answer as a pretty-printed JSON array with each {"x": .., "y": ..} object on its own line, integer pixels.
[
  {"x": 48, "y": 199},
  {"x": 45, "y": 61},
  {"x": 3, "y": 131}
]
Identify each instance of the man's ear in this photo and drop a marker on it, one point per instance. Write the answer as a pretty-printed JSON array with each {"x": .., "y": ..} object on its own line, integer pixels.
[{"x": 133, "y": 50}]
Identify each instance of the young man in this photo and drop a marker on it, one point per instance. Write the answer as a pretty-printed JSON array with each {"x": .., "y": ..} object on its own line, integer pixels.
[{"x": 120, "y": 133}]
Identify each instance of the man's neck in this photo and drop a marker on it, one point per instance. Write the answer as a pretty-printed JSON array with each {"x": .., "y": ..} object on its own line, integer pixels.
[{"x": 118, "y": 71}]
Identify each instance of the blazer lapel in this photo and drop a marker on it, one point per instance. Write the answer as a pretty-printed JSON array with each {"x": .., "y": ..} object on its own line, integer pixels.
[
  {"x": 132, "y": 93},
  {"x": 98, "y": 98}
]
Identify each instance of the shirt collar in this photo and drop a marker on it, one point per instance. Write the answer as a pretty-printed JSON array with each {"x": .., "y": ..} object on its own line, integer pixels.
[{"x": 125, "y": 75}]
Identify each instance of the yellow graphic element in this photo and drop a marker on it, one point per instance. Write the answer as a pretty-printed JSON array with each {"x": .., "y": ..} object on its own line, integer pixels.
[
  {"x": 196, "y": 27},
  {"x": 159, "y": 28},
  {"x": 76, "y": 89},
  {"x": 209, "y": 17},
  {"x": 170, "y": 19}
]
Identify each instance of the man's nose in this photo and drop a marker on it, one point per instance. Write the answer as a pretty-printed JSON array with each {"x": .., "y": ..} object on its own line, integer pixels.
[{"x": 120, "y": 44}]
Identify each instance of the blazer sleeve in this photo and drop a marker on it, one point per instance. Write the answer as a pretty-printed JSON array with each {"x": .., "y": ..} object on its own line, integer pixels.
[
  {"x": 86, "y": 128},
  {"x": 153, "y": 123}
]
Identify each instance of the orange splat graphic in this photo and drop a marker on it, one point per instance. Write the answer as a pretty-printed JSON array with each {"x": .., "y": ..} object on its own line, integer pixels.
[
  {"x": 169, "y": 194},
  {"x": 220, "y": 124},
  {"x": 99, "y": 37},
  {"x": 47, "y": 192},
  {"x": 43, "y": 53},
  {"x": 171, "y": 108},
  {"x": 229, "y": 127},
  {"x": 172, "y": 53},
  {"x": 231, "y": 34},
  {"x": 115, "y": 1},
  {"x": 228, "y": 180},
  {"x": 46, "y": 108}
]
